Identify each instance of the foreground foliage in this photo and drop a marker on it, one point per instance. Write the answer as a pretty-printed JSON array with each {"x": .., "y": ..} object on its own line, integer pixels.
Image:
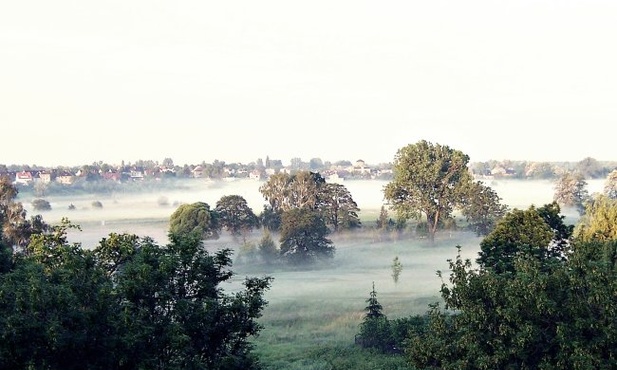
[
  {"x": 126, "y": 304},
  {"x": 525, "y": 306}
]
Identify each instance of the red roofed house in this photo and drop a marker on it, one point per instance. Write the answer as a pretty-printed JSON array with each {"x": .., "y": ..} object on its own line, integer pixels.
[{"x": 23, "y": 178}]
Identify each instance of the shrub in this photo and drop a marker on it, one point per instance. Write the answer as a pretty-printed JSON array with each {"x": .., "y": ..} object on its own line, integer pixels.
[
  {"x": 268, "y": 250},
  {"x": 97, "y": 204},
  {"x": 41, "y": 205}
]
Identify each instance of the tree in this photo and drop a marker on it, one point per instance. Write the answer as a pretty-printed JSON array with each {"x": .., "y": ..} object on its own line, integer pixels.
[
  {"x": 316, "y": 164},
  {"x": 126, "y": 304},
  {"x": 40, "y": 188},
  {"x": 303, "y": 237},
  {"x": 541, "y": 313},
  {"x": 539, "y": 233},
  {"x": 599, "y": 221},
  {"x": 16, "y": 229},
  {"x": 540, "y": 170},
  {"x": 41, "y": 205},
  {"x": 267, "y": 248},
  {"x": 304, "y": 189},
  {"x": 397, "y": 268},
  {"x": 430, "y": 180},
  {"x": 309, "y": 190},
  {"x": 375, "y": 330},
  {"x": 168, "y": 162},
  {"x": 234, "y": 215},
  {"x": 195, "y": 218},
  {"x": 276, "y": 190},
  {"x": 284, "y": 191},
  {"x": 57, "y": 308},
  {"x": 176, "y": 314},
  {"x": 610, "y": 186},
  {"x": 590, "y": 168},
  {"x": 384, "y": 222},
  {"x": 373, "y": 308},
  {"x": 338, "y": 207},
  {"x": 570, "y": 191},
  {"x": 270, "y": 219},
  {"x": 482, "y": 208}
]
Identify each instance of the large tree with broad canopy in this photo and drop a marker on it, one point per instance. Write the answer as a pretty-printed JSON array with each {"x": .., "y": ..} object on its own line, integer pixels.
[{"x": 430, "y": 180}]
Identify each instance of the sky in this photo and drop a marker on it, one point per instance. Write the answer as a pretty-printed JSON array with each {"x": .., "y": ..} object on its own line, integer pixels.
[{"x": 199, "y": 80}]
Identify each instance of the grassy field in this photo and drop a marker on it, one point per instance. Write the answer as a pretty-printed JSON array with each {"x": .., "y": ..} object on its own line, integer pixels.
[{"x": 313, "y": 315}]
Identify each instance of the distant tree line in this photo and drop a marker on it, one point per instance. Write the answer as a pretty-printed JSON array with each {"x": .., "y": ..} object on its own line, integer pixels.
[{"x": 95, "y": 177}]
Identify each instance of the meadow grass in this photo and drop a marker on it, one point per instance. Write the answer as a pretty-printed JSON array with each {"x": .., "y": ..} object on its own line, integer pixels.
[{"x": 313, "y": 315}]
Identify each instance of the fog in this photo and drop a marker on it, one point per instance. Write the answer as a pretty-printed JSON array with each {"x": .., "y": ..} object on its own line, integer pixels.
[{"x": 148, "y": 213}]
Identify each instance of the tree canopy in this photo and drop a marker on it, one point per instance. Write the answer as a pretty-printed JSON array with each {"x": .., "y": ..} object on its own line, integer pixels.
[
  {"x": 304, "y": 237},
  {"x": 195, "y": 218},
  {"x": 309, "y": 190},
  {"x": 610, "y": 185},
  {"x": 126, "y": 304},
  {"x": 338, "y": 208},
  {"x": 234, "y": 215},
  {"x": 482, "y": 208},
  {"x": 524, "y": 308},
  {"x": 429, "y": 180},
  {"x": 571, "y": 191},
  {"x": 520, "y": 231},
  {"x": 599, "y": 221}
]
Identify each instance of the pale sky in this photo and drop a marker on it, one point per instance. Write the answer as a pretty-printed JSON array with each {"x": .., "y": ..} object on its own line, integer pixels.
[{"x": 197, "y": 80}]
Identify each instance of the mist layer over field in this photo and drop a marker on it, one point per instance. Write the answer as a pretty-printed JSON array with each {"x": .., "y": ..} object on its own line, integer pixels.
[{"x": 148, "y": 213}]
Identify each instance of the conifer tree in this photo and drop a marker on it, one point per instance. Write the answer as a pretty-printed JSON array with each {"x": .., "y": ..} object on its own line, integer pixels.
[{"x": 373, "y": 310}]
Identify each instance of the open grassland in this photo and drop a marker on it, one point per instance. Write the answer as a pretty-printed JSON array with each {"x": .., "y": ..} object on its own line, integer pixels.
[{"x": 314, "y": 314}]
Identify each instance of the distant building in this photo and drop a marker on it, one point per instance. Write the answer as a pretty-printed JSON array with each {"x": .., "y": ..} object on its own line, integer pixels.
[
  {"x": 23, "y": 178},
  {"x": 65, "y": 178},
  {"x": 255, "y": 175},
  {"x": 361, "y": 167},
  {"x": 197, "y": 172},
  {"x": 45, "y": 177}
]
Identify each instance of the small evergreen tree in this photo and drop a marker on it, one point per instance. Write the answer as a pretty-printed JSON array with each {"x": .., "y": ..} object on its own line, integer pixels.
[
  {"x": 373, "y": 310},
  {"x": 383, "y": 222},
  {"x": 375, "y": 331}
]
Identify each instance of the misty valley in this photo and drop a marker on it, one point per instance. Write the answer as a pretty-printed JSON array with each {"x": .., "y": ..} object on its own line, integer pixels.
[{"x": 313, "y": 313}]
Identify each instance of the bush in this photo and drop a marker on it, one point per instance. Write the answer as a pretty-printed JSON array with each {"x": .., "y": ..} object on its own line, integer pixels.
[
  {"x": 97, "y": 204},
  {"x": 268, "y": 250},
  {"x": 41, "y": 205}
]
